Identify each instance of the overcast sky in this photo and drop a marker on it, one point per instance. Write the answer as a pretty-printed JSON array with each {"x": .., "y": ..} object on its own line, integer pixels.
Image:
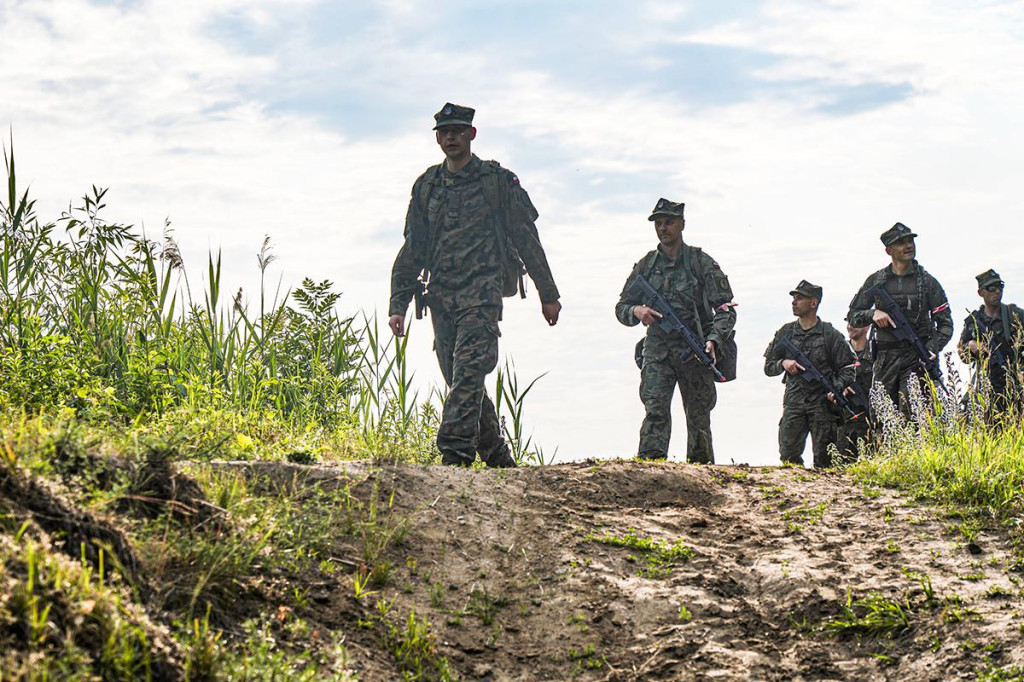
[{"x": 795, "y": 131}]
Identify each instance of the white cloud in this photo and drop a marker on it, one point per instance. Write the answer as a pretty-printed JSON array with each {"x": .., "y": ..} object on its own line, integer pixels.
[{"x": 144, "y": 99}]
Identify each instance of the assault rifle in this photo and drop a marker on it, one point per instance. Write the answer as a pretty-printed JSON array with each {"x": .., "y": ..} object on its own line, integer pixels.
[
  {"x": 902, "y": 330},
  {"x": 812, "y": 373},
  {"x": 995, "y": 354},
  {"x": 670, "y": 323}
]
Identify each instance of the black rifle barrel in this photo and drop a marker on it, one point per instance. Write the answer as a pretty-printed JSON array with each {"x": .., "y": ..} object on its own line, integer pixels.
[
  {"x": 902, "y": 330},
  {"x": 812, "y": 373},
  {"x": 671, "y": 323}
]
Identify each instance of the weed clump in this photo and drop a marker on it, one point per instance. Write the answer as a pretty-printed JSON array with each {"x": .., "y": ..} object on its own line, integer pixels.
[{"x": 657, "y": 557}]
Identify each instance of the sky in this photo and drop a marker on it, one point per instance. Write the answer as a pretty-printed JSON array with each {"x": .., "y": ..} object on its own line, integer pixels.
[{"x": 796, "y": 132}]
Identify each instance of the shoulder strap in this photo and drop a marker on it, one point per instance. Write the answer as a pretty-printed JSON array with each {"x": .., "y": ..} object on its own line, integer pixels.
[
  {"x": 826, "y": 329},
  {"x": 880, "y": 278},
  {"x": 647, "y": 263},
  {"x": 689, "y": 263}
]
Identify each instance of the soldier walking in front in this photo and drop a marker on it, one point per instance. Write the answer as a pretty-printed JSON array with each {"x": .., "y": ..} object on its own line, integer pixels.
[
  {"x": 695, "y": 287},
  {"x": 924, "y": 304},
  {"x": 469, "y": 222},
  {"x": 806, "y": 404}
]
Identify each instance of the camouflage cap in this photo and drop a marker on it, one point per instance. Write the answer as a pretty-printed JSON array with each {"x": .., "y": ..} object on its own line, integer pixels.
[
  {"x": 896, "y": 233},
  {"x": 807, "y": 289},
  {"x": 453, "y": 115},
  {"x": 666, "y": 207},
  {"x": 988, "y": 277}
]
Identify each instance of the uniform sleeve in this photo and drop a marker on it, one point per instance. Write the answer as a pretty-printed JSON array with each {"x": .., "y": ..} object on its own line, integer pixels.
[
  {"x": 773, "y": 357},
  {"x": 970, "y": 333},
  {"x": 942, "y": 317},
  {"x": 1017, "y": 330},
  {"x": 524, "y": 235},
  {"x": 845, "y": 361},
  {"x": 862, "y": 307},
  {"x": 406, "y": 269},
  {"x": 719, "y": 293},
  {"x": 624, "y": 308}
]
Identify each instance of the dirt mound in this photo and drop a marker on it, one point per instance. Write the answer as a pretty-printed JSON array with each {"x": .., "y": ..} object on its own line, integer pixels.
[{"x": 633, "y": 571}]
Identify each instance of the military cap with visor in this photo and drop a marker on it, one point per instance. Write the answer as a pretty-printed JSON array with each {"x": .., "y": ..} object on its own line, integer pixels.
[
  {"x": 666, "y": 207},
  {"x": 807, "y": 289},
  {"x": 453, "y": 115},
  {"x": 988, "y": 278},
  {"x": 895, "y": 233}
]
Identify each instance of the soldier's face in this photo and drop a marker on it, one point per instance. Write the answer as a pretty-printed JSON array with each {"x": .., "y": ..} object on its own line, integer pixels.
[
  {"x": 903, "y": 250},
  {"x": 992, "y": 294},
  {"x": 454, "y": 140},
  {"x": 669, "y": 229},
  {"x": 802, "y": 305}
]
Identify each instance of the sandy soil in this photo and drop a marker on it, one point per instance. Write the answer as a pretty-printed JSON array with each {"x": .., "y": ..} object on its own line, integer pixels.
[{"x": 505, "y": 567}]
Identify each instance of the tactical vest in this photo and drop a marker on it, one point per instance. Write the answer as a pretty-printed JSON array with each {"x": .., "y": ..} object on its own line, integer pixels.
[
  {"x": 695, "y": 282},
  {"x": 921, "y": 313},
  {"x": 498, "y": 202}
]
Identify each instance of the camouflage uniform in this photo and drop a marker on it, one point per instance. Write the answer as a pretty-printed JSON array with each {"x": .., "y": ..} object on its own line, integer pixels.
[
  {"x": 805, "y": 407},
  {"x": 454, "y": 233},
  {"x": 853, "y": 430},
  {"x": 693, "y": 284},
  {"x": 1004, "y": 377},
  {"x": 925, "y": 306}
]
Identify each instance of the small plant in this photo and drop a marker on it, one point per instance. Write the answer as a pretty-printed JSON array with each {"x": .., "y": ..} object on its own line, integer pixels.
[
  {"x": 872, "y": 616},
  {"x": 685, "y": 615},
  {"x": 659, "y": 556},
  {"x": 588, "y": 657},
  {"x": 579, "y": 620},
  {"x": 360, "y": 579},
  {"x": 413, "y": 645},
  {"x": 483, "y": 605},
  {"x": 998, "y": 592}
]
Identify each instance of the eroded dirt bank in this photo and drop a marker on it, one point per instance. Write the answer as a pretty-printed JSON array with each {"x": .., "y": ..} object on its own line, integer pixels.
[{"x": 521, "y": 576}]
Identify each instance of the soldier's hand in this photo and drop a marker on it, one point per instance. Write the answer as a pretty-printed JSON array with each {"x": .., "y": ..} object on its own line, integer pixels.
[
  {"x": 647, "y": 316},
  {"x": 792, "y": 366},
  {"x": 831, "y": 398},
  {"x": 932, "y": 357},
  {"x": 975, "y": 347},
  {"x": 882, "y": 319},
  {"x": 397, "y": 324},
  {"x": 709, "y": 348},
  {"x": 550, "y": 311},
  {"x": 848, "y": 390}
]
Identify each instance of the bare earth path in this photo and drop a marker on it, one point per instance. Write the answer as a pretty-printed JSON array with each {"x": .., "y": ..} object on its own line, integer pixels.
[{"x": 507, "y": 568}]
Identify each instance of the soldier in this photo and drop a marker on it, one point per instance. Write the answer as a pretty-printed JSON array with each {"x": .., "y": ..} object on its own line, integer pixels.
[
  {"x": 993, "y": 337},
  {"x": 924, "y": 304},
  {"x": 853, "y": 431},
  {"x": 469, "y": 222},
  {"x": 806, "y": 404},
  {"x": 698, "y": 291}
]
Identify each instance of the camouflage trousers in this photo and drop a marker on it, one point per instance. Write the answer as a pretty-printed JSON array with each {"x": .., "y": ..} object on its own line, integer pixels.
[
  {"x": 895, "y": 368},
  {"x": 797, "y": 422},
  {"x": 658, "y": 380},
  {"x": 466, "y": 345}
]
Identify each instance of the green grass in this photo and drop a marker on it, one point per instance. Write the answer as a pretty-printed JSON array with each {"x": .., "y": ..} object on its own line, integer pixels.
[
  {"x": 971, "y": 465},
  {"x": 657, "y": 557}
]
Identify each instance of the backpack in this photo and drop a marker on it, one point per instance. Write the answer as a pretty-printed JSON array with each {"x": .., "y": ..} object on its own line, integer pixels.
[{"x": 497, "y": 199}]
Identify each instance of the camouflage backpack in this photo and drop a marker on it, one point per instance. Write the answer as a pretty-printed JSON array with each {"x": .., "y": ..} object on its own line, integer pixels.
[{"x": 499, "y": 201}]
